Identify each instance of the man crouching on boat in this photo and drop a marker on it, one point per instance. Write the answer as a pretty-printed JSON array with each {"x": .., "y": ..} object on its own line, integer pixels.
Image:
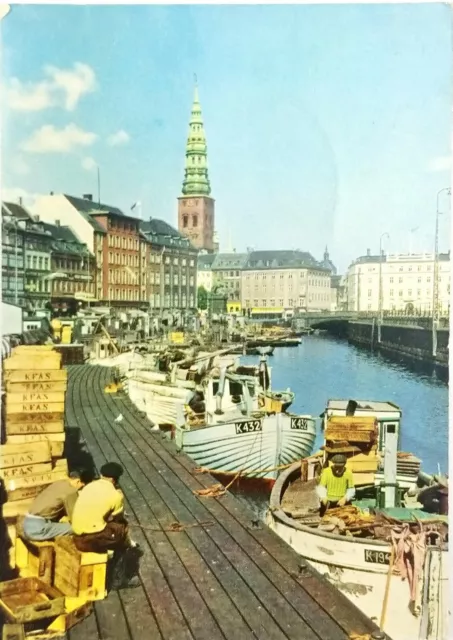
[{"x": 336, "y": 486}]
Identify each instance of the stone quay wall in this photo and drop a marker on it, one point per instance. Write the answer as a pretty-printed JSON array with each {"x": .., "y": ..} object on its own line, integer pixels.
[{"x": 415, "y": 342}]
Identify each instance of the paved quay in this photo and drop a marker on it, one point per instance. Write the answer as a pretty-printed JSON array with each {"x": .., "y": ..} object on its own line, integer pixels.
[{"x": 224, "y": 576}]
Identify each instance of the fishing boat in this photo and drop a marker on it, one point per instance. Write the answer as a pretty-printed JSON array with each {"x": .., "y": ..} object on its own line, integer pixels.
[
  {"x": 245, "y": 428},
  {"x": 396, "y": 527}
]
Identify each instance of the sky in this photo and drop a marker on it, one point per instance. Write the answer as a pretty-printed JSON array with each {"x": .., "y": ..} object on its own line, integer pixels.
[{"x": 326, "y": 125}]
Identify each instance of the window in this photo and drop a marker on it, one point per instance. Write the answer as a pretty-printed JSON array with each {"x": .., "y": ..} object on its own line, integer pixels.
[
  {"x": 419, "y": 279},
  {"x": 272, "y": 302},
  {"x": 400, "y": 293},
  {"x": 291, "y": 302},
  {"x": 195, "y": 221},
  {"x": 281, "y": 302},
  {"x": 419, "y": 293},
  {"x": 400, "y": 280},
  {"x": 369, "y": 293},
  {"x": 428, "y": 279},
  {"x": 391, "y": 280},
  {"x": 391, "y": 293},
  {"x": 175, "y": 261},
  {"x": 263, "y": 303},
  {"x": 409, "y": 293},
  {"x": 185, "y": 220},
  {"x": 255, "y": 302},
  {"x": 247, "y": 303}
]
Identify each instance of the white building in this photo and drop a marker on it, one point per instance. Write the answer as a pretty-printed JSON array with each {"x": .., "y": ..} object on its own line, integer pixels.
[
  {"x": 407, "y": 282},
  {"x": 204, "y": 270},
  {"x": 279, "y": 283}
]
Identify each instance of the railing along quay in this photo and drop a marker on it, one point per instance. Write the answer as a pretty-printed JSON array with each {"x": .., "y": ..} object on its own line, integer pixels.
[{"x": 225, "y": 575}]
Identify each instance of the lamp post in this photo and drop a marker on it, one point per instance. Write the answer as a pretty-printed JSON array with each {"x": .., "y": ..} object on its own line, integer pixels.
[
  {"x": 435, "y": 309},
  {"x": 380, "y": 301}
]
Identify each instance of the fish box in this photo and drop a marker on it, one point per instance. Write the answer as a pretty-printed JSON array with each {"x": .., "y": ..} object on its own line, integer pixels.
[
  {"x": 34, "y": 559},
  {"x": 28, "y": 599},
  {"x": 34, "y": 419},
  {"x": 42, "y": 375},
  {"x": 334, "y": 434},
  {"x": 25, "y": 470},
  {"x": 76, "y": 610},
  {"x": 34, "y": 427},
  {"x": 363, "y": 463},
  {"x": 18, "y": 508},
  {"x": 13, "y": 632},
  {"x": 26, "y": 453},
  {"x": 79, "y": 574}
]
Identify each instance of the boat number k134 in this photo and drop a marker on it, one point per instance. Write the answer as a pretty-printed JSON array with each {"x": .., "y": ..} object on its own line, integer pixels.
[
  {"x": 378, "y": 557},
  {"x": 299, "y": 423},
  {"x": 249, "y": 426}
]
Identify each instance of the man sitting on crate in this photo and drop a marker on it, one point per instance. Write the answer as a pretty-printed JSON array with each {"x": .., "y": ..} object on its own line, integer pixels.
[
  {"x": 53, "y": 503},
  {"x": 99, "y": 524},
  {"x": 336, "y": 486}
]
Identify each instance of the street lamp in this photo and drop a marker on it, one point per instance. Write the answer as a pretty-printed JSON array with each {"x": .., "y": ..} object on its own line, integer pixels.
[
  {"x": 380, "y": 305},
  {"x": 435, "y": 309}
]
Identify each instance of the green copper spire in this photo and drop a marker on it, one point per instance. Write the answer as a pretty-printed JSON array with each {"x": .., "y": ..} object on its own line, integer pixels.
[{"x": 196, "y": 180}]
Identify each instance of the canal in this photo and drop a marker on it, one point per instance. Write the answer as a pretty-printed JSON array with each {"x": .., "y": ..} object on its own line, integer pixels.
[{"x": 323, "y": 367}]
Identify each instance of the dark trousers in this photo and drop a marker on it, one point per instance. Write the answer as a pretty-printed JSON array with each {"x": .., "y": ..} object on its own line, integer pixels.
[{"x": 114, "y": 537}]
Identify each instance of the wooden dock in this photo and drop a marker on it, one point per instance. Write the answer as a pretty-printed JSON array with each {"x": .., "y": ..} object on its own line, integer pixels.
[{"x": 231, "y": 578}]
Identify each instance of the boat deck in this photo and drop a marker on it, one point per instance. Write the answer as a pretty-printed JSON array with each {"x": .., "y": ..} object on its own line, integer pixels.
[{"x": 225, "y": 576}]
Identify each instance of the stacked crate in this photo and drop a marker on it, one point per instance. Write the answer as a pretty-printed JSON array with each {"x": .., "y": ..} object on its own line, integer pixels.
[
  {"x": 32, "y": 456},
  {"x": 355, "y": 437}
]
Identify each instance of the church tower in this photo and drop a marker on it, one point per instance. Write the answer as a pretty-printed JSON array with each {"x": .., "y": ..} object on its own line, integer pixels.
[{"x": 195, "y": 206}]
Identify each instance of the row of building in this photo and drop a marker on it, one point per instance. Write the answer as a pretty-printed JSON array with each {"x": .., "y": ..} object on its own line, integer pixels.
[
  {"x": 67, "y": 251},
  {"x": 284, "y": 283}
]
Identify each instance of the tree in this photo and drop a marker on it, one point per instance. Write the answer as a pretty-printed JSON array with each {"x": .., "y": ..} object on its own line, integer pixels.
[{"x": 202, "y": 298}]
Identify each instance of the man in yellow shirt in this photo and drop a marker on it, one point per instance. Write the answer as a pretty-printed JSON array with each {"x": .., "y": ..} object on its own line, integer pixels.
[
  {"x": 336, "y": 486},
  {"x": 99, "y": 525},
  {"x": 98, "y": 519}
]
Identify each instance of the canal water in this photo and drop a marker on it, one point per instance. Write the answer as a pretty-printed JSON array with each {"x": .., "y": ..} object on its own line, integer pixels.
[{"x": 323, "y": 367}]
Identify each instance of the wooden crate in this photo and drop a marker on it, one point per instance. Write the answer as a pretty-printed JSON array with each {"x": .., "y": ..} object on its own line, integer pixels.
[
  {"x": 41, "y": 375},
  {"x": 362, "y": 463},
  {"x": 56, "y": 441},
  {"x": 13, "y": 632},
  {"x": 79, "y": 574},
  {"x": 37, "y": 479},
  {"x": 25, "y": 470},
  {"x": 17, "y": 508},
  {"x": 34, "y": 397},
  {"x": 24, "y": 454},
  {"x": 28, "y": 599},
  {"x": 76, "y": 610},
  {"x": 332, "y": 434},
  {"x": 358, "y": 423},
  {"x": 35, "y": 559},
  {"x": 34, "y": 426},
  {"x": 34, "y": 362},
  {"x": 36, "y": 387}
]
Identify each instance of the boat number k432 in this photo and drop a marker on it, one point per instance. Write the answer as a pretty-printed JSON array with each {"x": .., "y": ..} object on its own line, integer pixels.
[
  {"x": 378, "y": 557},
  {"x": 249, "y": 426},
  {"x": 299, "y": 423}
]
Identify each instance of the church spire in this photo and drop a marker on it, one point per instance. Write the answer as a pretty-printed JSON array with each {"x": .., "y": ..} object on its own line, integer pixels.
[{"x": 196, "y": 179}]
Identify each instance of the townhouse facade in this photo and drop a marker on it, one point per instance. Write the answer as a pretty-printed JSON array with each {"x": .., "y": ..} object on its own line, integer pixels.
[
  {"x": 227, "y": 274},
  {"x": 204, "y": 270},
  {"x": 407, "y": 282},
  {"x": 172, "y": 270},
  {"x": 282, "y": 283}
]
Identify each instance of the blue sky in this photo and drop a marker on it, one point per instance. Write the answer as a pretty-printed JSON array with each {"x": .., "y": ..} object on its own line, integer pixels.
[{"x": 325, "y": 124}]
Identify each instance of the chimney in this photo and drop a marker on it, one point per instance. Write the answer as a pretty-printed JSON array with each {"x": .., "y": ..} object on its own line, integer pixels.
[
  {"x": 57, "y": 223},
  {"x": 88, "y": 196},
  {"x": 368, "y": 252},
  {"x": 20, "y": 201}
]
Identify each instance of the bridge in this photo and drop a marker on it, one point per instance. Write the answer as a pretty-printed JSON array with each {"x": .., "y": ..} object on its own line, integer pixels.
[{"x": 327, "y": 319}]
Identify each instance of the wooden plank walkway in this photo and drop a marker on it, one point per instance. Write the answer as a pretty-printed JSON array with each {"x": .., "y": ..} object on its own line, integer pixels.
[{"x": 229, "y": 580}]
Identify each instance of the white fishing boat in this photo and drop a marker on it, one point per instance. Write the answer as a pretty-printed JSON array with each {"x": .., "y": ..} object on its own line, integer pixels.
[
  {"x": 234, "y": 435},
  {"x": 391, "y": 530}
]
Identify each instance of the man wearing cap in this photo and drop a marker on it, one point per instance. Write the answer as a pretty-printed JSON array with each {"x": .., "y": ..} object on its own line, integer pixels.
[
  {"x": 336, "y": 486},
  {"x": 56, "y": 501},
  {"x": 98, "y": 518}
]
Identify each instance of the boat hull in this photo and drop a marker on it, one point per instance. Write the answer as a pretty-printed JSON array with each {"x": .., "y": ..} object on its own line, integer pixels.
[
  {"x": 359, "y": 569},
  {"x": 253, "y": 447}
]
